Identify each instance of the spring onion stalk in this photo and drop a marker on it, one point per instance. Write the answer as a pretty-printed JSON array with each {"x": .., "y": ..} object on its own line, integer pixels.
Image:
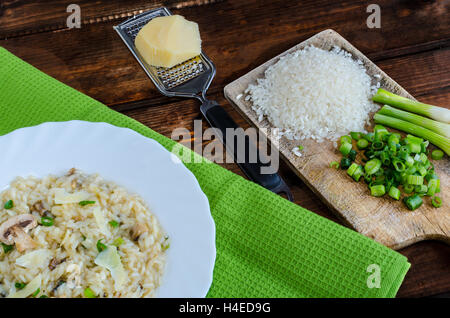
[
  {"x": 438, "y": 140},
  {"x": 434, "y": 112},
  {"x": 436, "y": 126}
]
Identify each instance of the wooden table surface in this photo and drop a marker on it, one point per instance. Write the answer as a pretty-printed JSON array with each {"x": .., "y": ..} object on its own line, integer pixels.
[{"x": 412, "y": 46}]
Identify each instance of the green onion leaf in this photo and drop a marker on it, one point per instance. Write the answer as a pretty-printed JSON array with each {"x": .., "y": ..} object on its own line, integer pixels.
[
  {"x": 20, "y": 286},
  {"x": 334, "y": 164},
  {"x": 352, "y": 155},
  {"x": 369, "y": 137},
  {"x": 47, "y": 221},
  {"x": 356, "y": 135},
  {"x": 394, "y": 193},
  {"x": 437, "y": 154},
  {"x": 413, "y": 202},
  {"x": 83, "y": 203},
  {"x": 346, "y": 140},
  {"x": 421, "y": 189},
  {"x": 372, "y": 166},
  {"x": 408, "y": 188},
  {"x": 118, "y": 241},
  {"x": 436, "y": 202},
  {"x": 9, "y": 205},
  {"x": 36, "y": 292},
  {"x": 362, "y": 144},
  {"x": 345, "y": 163},
  {"x": 100, "y": 246},
  {"x": 7, "y": 248},
  {"x": 345, "y": 148},
  {"x": 432, "y": 187},
  {"x": 113, "y": 223},
  {"x": 377, "y": 190},
  {"x": 352, "y": 169},
  {"x": 414, "y": 180},
  {"x": 89, "y": 293},
  {"x": 43, "y": 296}
]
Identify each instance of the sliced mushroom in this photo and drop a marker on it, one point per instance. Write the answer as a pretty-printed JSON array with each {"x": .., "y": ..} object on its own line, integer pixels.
[
  {"x": 137, "y": 230},
  {"x": 55, "y": 262},
  {"x": 39, "y": 207},
  {"x": 71, "y": 172},
  {"x": 15, "y": 230}
]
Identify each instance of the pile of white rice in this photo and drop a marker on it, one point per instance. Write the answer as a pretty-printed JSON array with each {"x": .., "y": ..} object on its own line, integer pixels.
[
  {"x": 314, "y": 93},
  {"x": 73, "y": 239}
]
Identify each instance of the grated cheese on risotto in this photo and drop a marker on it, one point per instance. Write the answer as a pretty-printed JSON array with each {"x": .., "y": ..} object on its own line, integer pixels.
[{"x": 314, "y": 93}]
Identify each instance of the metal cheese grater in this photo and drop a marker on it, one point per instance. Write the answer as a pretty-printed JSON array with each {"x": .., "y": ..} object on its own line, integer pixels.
[{"x": 192, "y": 79}]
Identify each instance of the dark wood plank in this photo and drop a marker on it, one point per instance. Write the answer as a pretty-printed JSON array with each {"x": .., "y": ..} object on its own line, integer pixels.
[
  {"x": 430, "y": 271},
  {"x": 94, "y": 60},
  {"x": 28, "y": 17}
]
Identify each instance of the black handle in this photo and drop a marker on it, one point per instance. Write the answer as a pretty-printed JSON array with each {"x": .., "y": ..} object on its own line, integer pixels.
[{"x": 219, "y": 119}]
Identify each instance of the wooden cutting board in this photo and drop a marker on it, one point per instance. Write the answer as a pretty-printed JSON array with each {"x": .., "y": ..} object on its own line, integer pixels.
[{"x": 383, "y": 219}]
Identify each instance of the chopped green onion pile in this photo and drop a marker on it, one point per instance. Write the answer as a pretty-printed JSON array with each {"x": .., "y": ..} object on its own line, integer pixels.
[{"x": 392, "y": 165}]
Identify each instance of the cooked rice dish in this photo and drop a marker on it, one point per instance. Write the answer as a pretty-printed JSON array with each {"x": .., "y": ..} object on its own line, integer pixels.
[{"x": 78, "y": 235}]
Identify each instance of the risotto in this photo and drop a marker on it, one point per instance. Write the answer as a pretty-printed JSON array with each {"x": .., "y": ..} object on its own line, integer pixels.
[{"x": 78, "y": 235}]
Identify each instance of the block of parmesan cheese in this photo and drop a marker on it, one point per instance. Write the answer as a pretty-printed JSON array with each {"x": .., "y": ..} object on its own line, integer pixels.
[{"x": 167, "y": 41}]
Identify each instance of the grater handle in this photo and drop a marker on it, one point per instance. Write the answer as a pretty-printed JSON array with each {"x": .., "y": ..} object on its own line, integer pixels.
[{"x": 219, "y": 119}]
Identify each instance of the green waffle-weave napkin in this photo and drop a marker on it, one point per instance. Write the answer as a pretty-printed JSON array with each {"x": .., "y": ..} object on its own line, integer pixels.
[{"x": 266, "y": 245}]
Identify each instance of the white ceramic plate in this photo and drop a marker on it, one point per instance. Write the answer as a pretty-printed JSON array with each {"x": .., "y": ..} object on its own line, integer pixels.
[{"x": 142, "y": 166}]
